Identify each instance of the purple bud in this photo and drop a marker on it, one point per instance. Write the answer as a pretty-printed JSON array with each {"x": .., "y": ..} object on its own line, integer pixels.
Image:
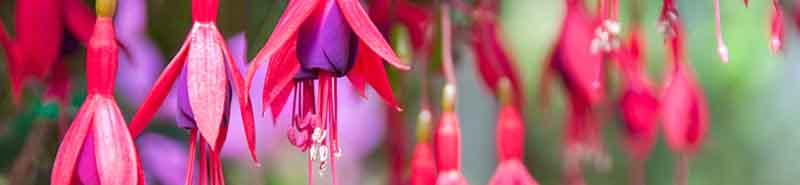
[{"x": 325, "y": 42}]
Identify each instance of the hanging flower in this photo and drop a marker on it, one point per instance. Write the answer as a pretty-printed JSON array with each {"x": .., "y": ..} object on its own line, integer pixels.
[
  {"x": 510, "y": 137},
  {"x": 684, "y": 107},
  {"x": 776, "y": 28},
  {"x": 448, "y": 142},
  {"x": 321, "y": 41},
  {"x": 205, "y": 73},
  {"x": 423, "y": 166},
  {"x": 35, "y": 50},
  {"x": 577, "y": 58},
  {"x": 493, "y": 61},
  {"x": 638, "y": 103},
  {"x": 98, "y": 149}
]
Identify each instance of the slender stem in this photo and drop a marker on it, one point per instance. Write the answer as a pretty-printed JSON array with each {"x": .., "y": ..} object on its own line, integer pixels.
[
  {"x": 637, "y": 174},
  {"x": 447, "y": 48},
  {"x": 682, "y": 170}
]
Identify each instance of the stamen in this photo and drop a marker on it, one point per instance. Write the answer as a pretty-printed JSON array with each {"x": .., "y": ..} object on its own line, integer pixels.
[
  {"x": 190, "y": 160},
  {"x": 203, "y": 163},
  {"x": 776, "y": 34},
  {"x": 721, "y": 48}
]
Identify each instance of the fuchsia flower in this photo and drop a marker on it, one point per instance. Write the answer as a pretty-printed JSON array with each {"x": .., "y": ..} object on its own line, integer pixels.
[
  {"x": 639, "y": 105},
  {"x": 35, "y": 51},
  {"x": 577, "y": 58},
  {"x": 423, "y": 165},
  {"x": 448, "y": 142},
  {"x": 510, "y": 137},
  {"x": 98, "y": 147},
  {"x": 776, "y": 28},
  {"x": 210, "y": 72},
  {"x": 320, "y": 41},
  {"x": 684, "y": 107},
  {"x": 491, "y": 56}
]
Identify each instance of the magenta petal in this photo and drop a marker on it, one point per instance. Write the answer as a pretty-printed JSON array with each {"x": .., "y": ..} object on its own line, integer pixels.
[
  {"x": 87, "y": 167},
  {"x": 185, "y": 117}
]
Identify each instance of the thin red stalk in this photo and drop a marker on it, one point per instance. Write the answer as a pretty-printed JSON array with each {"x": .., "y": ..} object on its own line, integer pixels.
[
  {"x": 447, "y": 48},
  {"x": 203, "y": 163},
  {"x": 614, "y": 10},
  {"x": 721, "y": 48},
  {"x": 21, "y": 168},
  {"x": 462, "y": 6},
  {"x": 636, "y": 172},
  {"x": 190, "y": 160}
]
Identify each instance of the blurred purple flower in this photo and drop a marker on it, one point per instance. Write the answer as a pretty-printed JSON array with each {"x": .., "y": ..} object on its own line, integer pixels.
[
  {"x": 140, "y": 60},
  {"x": 163, "y": 159}
]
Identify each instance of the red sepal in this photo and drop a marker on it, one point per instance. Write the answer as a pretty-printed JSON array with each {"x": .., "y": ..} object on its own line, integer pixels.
[
  {"x": 375, "y": 75},
  {"x": 79, "y": 19},
  {"x": 295, "y": 14},
  {"x": 367, "y": 32},
  {"x": 245, "y": 104},
  {"x": 159, "y": 92},
  {"x": 70, "y": 148}
]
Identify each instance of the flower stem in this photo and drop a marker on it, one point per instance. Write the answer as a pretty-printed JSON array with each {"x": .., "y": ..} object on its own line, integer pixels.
[
  {"x": 682, "y": 170},
  {"x": 447, "y": 46}
]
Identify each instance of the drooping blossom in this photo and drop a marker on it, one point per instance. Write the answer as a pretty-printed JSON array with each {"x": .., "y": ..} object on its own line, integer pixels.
[
  {"x": 205, "y": 72},
  {"x": 684, "y": 109},
  {"x": 510, "y": 138},
  {"x": 141, "y": 58},
  {"x": 35, "y": 50},
  {"x": 322, "y": 40},
  {"x": 423, "y": 165},
  {"x": 493, "y": 60},
  {"x": 639, "y": 105},
  {"x": 98, "y": 148},
  {"x": 163, "y": 159},
  {"x": 577, "y": 58},
  {"x": 448, "y": 142}
]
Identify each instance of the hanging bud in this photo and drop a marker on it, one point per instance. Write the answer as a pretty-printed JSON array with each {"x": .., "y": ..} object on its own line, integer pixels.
[{"x": 423, "y": 166}]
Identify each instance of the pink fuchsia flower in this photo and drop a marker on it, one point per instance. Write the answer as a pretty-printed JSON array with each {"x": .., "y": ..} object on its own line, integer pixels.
[
  {"x": 510, "y": 137},
  {"x": 423, "y": 164},
  {"x": 448, "y": 142},
  {"x": 210, "y": 72},
  {"x": 321, "y": 41},
  {"x": 776, "y": 28},
  {"x": 639, "y": 104},
  {"x": 98, "y": 147},
  {"x": 493, "y": 60},
  {"x": 35, "y": 50},
  {"x": 577, "y": 59},
  {"x": 684, "y": 107}
]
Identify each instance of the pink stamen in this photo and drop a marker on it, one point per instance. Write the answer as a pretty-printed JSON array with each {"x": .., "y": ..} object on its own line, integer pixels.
[
  {"x": 776, "y": 34},
  {"x": 721, "y": 48}
]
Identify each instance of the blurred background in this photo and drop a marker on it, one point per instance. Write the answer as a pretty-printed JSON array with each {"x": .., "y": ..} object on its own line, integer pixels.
[{"x": 752, "y": 100}]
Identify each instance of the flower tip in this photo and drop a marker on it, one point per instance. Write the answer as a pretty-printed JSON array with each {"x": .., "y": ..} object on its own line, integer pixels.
[
  {"x": 449, "y": 98},
  {"x": 723, "y": 53},
  {"x": 504, "y": 91},
  {"x": 775, "y": 45},
  {"x": 423, "y": 125}
]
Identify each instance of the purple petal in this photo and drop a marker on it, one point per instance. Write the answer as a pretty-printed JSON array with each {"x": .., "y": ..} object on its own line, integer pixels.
[
  {"x": 325, "y": 42},
  {"x": 87, "y": 167},
  {"x": 185, "y": 117}
]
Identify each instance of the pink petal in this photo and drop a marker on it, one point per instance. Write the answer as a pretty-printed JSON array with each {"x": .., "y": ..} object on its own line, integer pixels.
[
  {"x": 68, "y": 151},
  {"x": 117, "y": 160},
  {"x": 206, "y": 82}
]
